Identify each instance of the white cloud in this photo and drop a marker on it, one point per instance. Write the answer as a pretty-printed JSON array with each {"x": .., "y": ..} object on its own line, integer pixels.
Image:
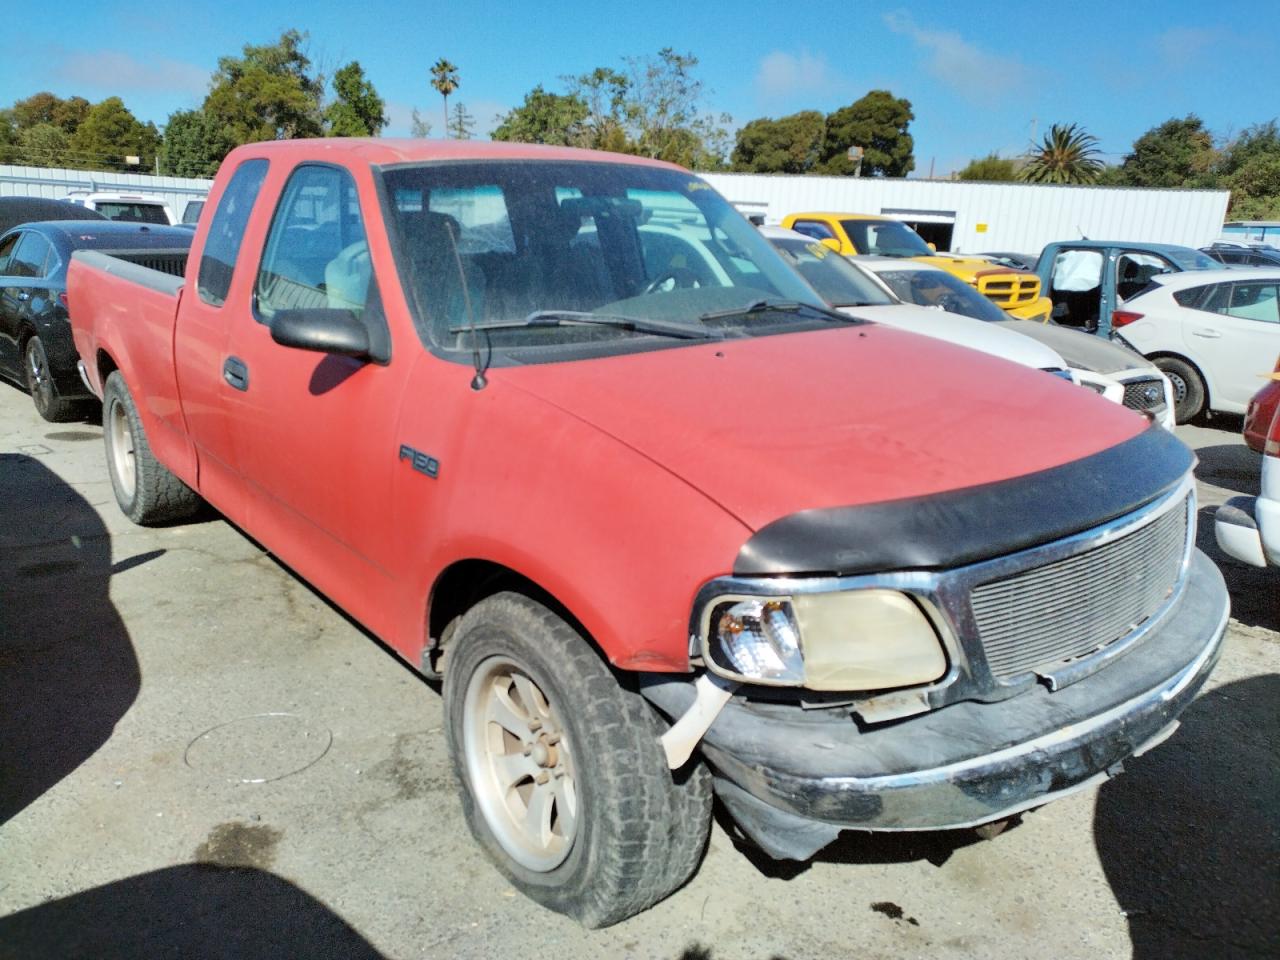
[
  {"x": 121, "y": 72},
  {"x": 1177, "y": 45},
  {"x": 973, "y": 73},
  {"x": 782, "y": 75}
]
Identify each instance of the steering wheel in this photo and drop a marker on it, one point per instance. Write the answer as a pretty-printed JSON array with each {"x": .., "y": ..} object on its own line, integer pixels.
[{"x": 683, "y": 277}]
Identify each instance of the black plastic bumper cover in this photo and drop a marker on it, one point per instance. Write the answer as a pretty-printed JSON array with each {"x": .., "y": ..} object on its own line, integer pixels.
[{"x": 795, "y": 778}]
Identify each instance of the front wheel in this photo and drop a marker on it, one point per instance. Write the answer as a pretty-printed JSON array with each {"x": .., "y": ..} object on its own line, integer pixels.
[
  {"x": 145, "y": 489},
  {"x": 44, "y": 394},
  {"x": 1188, "y": 387},
  {"x": 564, "y": 783}
]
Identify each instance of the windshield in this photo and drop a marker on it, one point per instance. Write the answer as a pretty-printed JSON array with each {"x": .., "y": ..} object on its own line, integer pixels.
[
  {"x": 1189, "y": 259},
  {"x": 885, "y": 238},
  {"x": 534, "y": 251},
  {"x": 838, "y": 281},
  {"x": 935, "y": 288}
]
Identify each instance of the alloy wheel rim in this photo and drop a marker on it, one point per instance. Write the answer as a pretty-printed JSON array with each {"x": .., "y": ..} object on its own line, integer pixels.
[
  {"x": 38, "y": 374},
  {"x": 123, "y": 459},
  {"x": 520, "y": 765}
]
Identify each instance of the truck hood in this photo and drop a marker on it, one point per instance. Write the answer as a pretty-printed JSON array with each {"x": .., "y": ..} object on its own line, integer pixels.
[
  {"x": 967, "y": 268},
  {"x": 1084, "y": 351},
  {"x": 768, "y": 426},
  {"x": 965, "y": 332}
]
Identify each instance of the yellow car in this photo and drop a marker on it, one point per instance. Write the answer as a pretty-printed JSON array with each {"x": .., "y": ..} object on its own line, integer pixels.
[{"x": 1015, "y": 291}]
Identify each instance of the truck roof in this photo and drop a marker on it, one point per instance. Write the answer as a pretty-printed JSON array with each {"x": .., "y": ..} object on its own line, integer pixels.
[{"x": 382, "y": 151}]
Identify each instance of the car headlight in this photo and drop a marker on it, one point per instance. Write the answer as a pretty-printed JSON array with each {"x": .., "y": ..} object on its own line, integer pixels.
[{"x": 841, "y": 641}]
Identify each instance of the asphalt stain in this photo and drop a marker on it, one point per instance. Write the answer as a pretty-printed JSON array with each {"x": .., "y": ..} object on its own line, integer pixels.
[
  {"x": 409, "y": 774},
  {"x": 72, "y": 435},
  {"x": 239, "y": 845},
  {"x": 893, "y": 912},
  {"x": 49, "y": 569}
]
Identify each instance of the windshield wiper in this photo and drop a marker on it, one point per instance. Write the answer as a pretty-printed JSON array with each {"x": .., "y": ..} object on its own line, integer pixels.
[
  {"x": 779, "y": 306},
  {"x": 555, "y": 318}
]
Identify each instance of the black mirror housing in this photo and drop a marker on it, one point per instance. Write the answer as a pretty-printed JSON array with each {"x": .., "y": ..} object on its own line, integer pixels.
[{"x": 323, "y": 330}]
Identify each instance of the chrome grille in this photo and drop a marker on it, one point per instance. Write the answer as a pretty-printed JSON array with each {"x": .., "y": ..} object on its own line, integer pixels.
[
  {"x": 1144, "y": 394},
  {"x": 1072, "y": 607}
]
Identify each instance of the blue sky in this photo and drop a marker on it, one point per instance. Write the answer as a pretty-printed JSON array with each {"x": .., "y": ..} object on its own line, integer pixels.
[{"x": 978, "y": 75}]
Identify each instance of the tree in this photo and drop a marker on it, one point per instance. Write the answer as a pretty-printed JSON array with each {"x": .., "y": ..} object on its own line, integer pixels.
[
  {"x": 444, "y": 77},
  {"x": 269, "y": 93},
  {"x": 190, "y": 147},
  {"x": 8, "y": 137},
  {"x": 878, "y": 123},
  {"x": 1177, "y": 153},
  {"x": 358, "y": 111},
  {"x": 1250, "y": 168},
  {"x": 1068, "y": 154},
  {"x": 109, "y": 134},
  {"x": 47, "y": 108},
  {"x": 604, "y": 92},
  {"x": 461, "y": 123},
  {"x": 419, "y": 127},
  {"x": 551, "y": 118},
  {"x": 44, "y": 145},
  {"x": 790, "y": 144},
  {"x": 991, "y": 168},
  {"x": 663, "y": 109}
]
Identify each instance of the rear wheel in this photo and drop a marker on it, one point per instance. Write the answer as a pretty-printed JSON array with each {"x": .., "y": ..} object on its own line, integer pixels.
[
  {"x": 564, "y": 783},
  {"x": 1188, "y": 387},
  {"x": 145, "y": 489},
  {"x": 44, "y": 394}
]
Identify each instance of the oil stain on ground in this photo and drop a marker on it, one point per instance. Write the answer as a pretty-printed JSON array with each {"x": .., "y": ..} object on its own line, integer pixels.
[
  {"x": 893, "y": 912},
  {"x": 73, "y": 435},
  {"x": 239, "y": 845}
]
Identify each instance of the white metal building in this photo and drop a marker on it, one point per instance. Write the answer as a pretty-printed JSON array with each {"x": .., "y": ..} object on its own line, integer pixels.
[
  {"x": 56, "y": 183},
  {"x": 978, "y": 217}
]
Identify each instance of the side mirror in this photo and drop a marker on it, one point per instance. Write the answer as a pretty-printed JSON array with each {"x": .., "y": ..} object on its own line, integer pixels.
[
  {"x": 932, "y": 247},
  {"x": 323, "y": 330},
  {"x": 831, "y": 242}
]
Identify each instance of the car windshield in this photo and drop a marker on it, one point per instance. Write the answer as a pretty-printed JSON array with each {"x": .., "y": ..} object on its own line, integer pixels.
[
  {"x": 885, "y": 238},
  {"x": 548, "y": 255},
  {"x": 934, "y": 288},
  {"x": 1189, "y": 259},
  {"x": 838, "y": 281}
]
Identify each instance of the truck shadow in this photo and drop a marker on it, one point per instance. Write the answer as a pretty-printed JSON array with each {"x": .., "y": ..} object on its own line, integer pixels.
[
  {"x": 1187, "y": 836},
  {"x": 1232, "y": 466},
  {"x": 194, "y": 911},
  {"x": 67, "y": 667},
  {"x": 1254, "y": 599}
]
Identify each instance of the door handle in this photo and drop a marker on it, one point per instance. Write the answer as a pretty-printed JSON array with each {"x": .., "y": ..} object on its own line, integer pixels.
[
  {"x": 1207, "y": 332},
  {"x": 236, "y": 373},
  {"x": 24, "y": 295}
]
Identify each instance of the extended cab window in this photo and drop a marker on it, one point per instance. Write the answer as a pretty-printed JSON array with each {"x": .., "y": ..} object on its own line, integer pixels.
[
  {"x": 317, "y": 255},
  {"x": 222, "y": 245}
]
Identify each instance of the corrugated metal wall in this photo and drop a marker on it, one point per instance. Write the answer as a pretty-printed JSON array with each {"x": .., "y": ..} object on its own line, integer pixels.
[
  {"x": 993, "y": 216},
  {"x": 57, "y": 183}
]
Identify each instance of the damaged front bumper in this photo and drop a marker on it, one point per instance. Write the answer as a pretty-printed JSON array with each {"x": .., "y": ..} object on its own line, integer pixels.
[{"x": 794, "y": 778}]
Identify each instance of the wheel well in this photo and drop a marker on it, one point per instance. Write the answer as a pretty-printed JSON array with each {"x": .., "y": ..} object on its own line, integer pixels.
[
  {"x": 1162, "y": 354},
  {"x": 106, "y": 366},
  {"x": 464, "y": 584}
]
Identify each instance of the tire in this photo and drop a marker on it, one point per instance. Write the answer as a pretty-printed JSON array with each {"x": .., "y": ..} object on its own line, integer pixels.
[
  {"x": 619, "y": 832},
  {"x": 145, "y": 489},
  {"x": 44, "y": 394},
  {"x": 1188, "y": 387}
]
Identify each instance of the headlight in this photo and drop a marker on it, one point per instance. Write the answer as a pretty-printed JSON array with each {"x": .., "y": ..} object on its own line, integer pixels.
[{"x": 844, "y": 641}]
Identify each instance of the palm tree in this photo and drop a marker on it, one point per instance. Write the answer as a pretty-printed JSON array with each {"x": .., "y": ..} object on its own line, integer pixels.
[
  {"x": 1067, "y": 155},
  {"x": 445, "y": 79}
]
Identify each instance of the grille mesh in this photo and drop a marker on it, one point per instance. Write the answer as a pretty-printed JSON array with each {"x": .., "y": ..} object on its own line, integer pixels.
[
  {"x": 1135, "y": 394},
  {"x": 1072, "y": 607}
]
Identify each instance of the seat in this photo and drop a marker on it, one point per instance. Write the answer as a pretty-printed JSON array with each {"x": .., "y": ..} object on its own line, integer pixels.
[{"x": 431, "y": 241}]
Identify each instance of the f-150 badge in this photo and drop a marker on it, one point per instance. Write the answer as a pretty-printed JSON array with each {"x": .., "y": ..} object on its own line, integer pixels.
[{"x": 421, "y": 462}]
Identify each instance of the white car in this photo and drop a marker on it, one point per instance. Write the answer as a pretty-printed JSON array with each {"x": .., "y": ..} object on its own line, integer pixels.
[
  {"x": 1248, "y": 528},
  {"x": 849, "y": 290},
  {"x": 1214, "y": 333},
  {"x": 131, "y": 207},
  {"x": 1115, "y": 372}
]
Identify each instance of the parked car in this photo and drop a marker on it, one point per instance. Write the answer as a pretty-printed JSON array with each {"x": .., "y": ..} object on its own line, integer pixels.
[
  {"x": 191, "y": 212},
  {"x": 130, "y": 207},
  {"x": 1114, "y": 371},
  {"x": 661, "y": 533},
  {"x": 36, "y": 350},
  {"x": 1248, "y": 528},
  {"x": 1214, "y": 334},
  {"x": 847, "y": 288},
  {"x": 1262, "y": 408},
  {"x": 16, "y": 210},
  {"x": 1015, "y": 291},
  {"x": 1088, "y": 280},
  {"x": 1243, "y": 254}
]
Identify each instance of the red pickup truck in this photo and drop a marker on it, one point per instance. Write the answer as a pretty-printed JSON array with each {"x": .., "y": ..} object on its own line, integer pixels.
[{"x": 663, "y": 530}]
